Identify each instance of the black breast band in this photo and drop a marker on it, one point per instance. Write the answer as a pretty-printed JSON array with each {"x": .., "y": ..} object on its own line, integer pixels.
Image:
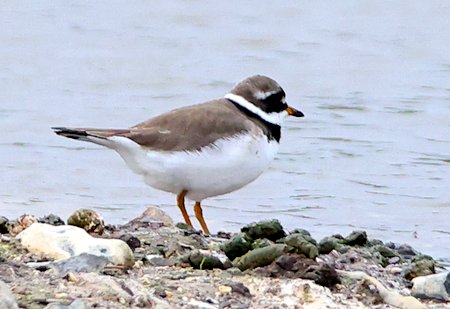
[{"x": 273, "y": 131}]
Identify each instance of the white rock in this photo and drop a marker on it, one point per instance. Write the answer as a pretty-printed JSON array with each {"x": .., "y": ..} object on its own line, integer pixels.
[
  {"x": 201, "y": 305},
  {"x": 390, "y": 297},
  {"x": 64, "y": 241},
  {"x": 435, "y": 286},
  {"x": 7, "y": 300}
]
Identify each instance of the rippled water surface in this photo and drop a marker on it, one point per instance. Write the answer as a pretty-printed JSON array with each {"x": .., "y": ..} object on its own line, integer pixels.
[{"x": 373, "y": 79}]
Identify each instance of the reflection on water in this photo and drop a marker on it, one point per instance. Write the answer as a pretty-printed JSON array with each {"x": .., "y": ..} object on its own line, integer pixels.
[{"x": 372, "y": 78}]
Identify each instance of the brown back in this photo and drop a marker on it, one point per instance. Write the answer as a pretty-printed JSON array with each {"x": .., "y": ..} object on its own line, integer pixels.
[{"x": 191, "y": 128}]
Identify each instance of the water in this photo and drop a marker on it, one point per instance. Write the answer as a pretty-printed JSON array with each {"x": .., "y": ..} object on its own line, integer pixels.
[{"x": 373, "y": 79}]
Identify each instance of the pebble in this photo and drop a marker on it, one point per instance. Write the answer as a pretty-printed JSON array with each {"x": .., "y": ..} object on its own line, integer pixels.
[
  {"x": 236, "y": 246},
  {"x": 82, "y": 263},
  {"x": 51, "y": 219},
  {"x": 157, "y": 260},
  {"x": 395, "y": 270},
  {"x": 71, "y": 277},
  {"x": 386, "y": 251},
  {"x": 3, "y": 225},
  {"x": 322, "y": 274},
  {"x": 302, "y": 245},
  {"x": 210, "y": 300},
  {"x": 201, "y": 305},
  {"x": 206, "y": 259},
  {"x": 260, "y": 257},
  {"x": 153, "y": 217},
  {"x": 270, "y": 229},
  {"x": 224, "y": 289},
  {"x": 132, "y": 241},
  {"x": 394, "y": 260},
  {"x": 88, "y": 220},
  {"x": 405, "y": 250},
  {"x": 275, "y": 283},
  {"x": 356, "y": 238},
  {"x": 169, "y": 294},
  {"x": 328, "y": 244},
  {"x": 261, "y": 243},
  {"x": 421, "y": 265},
  {"x": 7, "y": 299},
  {"x": 234, "y": 271},
  {"x": 19, "y": 225},
  {"x": 238, "y": 287}
]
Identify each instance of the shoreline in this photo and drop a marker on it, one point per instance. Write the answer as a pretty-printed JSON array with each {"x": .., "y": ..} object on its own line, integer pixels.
[{"x": 155, "y": 263}]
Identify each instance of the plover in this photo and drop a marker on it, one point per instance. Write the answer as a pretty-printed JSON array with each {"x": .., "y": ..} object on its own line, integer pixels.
[{"x": 202, "y": 150}]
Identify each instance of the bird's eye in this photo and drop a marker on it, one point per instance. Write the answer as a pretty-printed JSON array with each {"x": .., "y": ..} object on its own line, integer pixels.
[{"x": 275, "y": 102}]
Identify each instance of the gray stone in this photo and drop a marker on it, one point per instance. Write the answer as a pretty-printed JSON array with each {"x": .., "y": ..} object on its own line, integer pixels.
[
  {"x": 394, "y": 260},
  {"x": 234, "y": 271},
  {"x": 260, "y": 257},
  {"x": 184, "y": 226},
  {"x": 271, "y": 230},
  {"x": 237, "y": 246},
  {"x": 356, "y": 238},
  {"x": 56, "y": 306},
  {"x": 3, "y": 225},
  {"x": 83, "y": 263},
  {"x": 421, "y": 265},
  {"x": 328, "y": 244},
  {"x": 76, "y": 304},
  {"x": 290, "y": 263},
  {"x": 383, "y": 254},
  {"x": 375, "y": 242},
  {"x": 322, "y": 274},
  {"x": 204, "y": 259},
  {"x": 238, "y": 287},
  {"x": 7, "y": 299},
  {"x": 404, "y": 250},
  {"x": 385, "y": 251},
  {"x": 306, "y": 235},
  {"x": 261, "y": 243},
  {"x": 157, "y": 260},
  {"x": 300, "y": 231},
  {"x": 302, "y": 245},
  {"x": 51, "y": 219},
  {"x": 132, "y": 241}
]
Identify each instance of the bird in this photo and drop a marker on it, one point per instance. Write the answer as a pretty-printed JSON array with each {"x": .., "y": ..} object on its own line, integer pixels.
[{"x": 202, "y": 150}]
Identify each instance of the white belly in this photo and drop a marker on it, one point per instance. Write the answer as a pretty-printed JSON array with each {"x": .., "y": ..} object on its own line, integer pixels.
[{"x": 229, "y": 165}]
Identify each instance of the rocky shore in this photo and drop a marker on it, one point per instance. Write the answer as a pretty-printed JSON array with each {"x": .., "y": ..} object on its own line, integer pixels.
[{"x": 152, "y": 263}]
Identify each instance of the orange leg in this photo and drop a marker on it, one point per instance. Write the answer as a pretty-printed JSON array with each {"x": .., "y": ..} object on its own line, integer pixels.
[
  {"x": 199, "y": 215},
  {"x": 180, "y": 203}
]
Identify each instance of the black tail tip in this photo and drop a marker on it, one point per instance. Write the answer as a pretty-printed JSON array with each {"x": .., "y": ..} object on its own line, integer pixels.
[
  {"x": 70, "y": 133},
  {"x": 62, "y": 130}
]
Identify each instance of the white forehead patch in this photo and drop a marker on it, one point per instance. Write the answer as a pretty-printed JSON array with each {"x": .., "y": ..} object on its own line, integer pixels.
[
  {"x": 260, "y": 95},
  {"x": 274, "y": 117}
]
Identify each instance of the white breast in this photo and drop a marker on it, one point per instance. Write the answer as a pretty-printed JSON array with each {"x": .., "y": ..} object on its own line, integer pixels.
[{"x": 226, "y": 166}]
